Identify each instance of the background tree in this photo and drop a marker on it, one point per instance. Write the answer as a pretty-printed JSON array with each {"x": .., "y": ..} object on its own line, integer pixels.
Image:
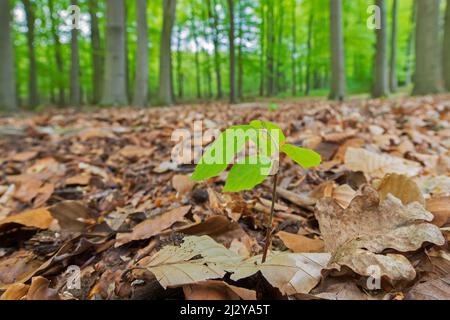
[
  {"x": 165, "y": 58},
  {"x": 7, "y": 77},
  {"x": 115, "y": 85},
  {"x": 96, "y": 52},
  {"x": 231, "y": 37},
  {"x": 381, "y": 84},
  {"x": 393, "y": 63},
  {"x": 427, "y": 75},
  {"x": 75, "y": 88},
  {"x": 54, "y": 22},
  {"x": 337, "y": 51},
  {"x": 33, "y": 96},
  {"x": 447, "y": 48},
  {"x": 140, "y": 96}
]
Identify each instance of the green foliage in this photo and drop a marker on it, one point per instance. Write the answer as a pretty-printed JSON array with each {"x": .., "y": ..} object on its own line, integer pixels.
[
  {"x": 273, "y": 107},
  {"x": 254, "y": 169}
]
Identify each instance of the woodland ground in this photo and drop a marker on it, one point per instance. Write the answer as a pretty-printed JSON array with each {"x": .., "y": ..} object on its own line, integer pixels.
[{"x": 97, "y": 190}]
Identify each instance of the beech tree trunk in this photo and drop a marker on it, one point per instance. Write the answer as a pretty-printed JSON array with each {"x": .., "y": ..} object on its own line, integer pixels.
[
  {"x": 8, "y": 100},
  {"x": 393, "y": 82},
  {"x": 231, "y": 38},
  {"x": 337, "y": 52},
  {"x": 428, "y": 64},
  {"x": 58, "y": 54},
  {"x": 115, "y": 83},
  {"x": 447, "y": 48},
  {"x": 140, "y": 96},
  {"x": 381, "y": 76},
  {"x": 33, "y": 96},
  {"x": 165, "y": 57},
  {"x": 96, "y": 52},
  {"x": 75, "y": 89}
]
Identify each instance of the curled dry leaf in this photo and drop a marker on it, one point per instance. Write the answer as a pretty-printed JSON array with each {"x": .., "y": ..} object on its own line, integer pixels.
[
  {"x": 37, "y": 218},
  {"x": 440, "y": 208},
  {"x": 217, "y": 290},
  {"x": 153, "y": 226},
  {"x": 300, "y": 244},
  {"x": 40, "y": 290},
  {"x": 15, "y": 292},
  {"x": 182, "y": 184},
  {"x": 357, "y": 235},
  {"x": 72, "y": 216},
  {"x": 291, "y": 273},
  {"x": 436, "y": 289},
  {"x": 378, "y": 165},
  {"x": 401, "y": 187},
  {"x": 197, "y": 259}
]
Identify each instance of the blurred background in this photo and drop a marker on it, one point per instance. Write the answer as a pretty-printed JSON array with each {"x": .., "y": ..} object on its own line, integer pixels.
[{"x": 70, "y": 53}]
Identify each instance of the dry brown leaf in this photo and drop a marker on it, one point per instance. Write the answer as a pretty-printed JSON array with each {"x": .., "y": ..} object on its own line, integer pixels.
[
  {"x": 27, "y": 190},
  {"x": 15, "y": 292},
  {"x": 401, "y": 187},
  {"x": 153, "y": 226},
  {"x": 24, "y": 156},
  {"x": 197, "y": 259},
  {"x": 351, "y": 143},
  {"x": 439, "y": 185},
  {"x": 378, "y": 165},
  {"x": 72, "y": 216},
  {"x": 357, "y": 235},
  {"x": 300, "y": 244},
  {"x": 435, "y": 289},
  {"x": 291, "y": 273},
  {"x": 37, "y": 218},
  {"x": 300, "y": 200},
  {"x": 217, "y": 290},
  {"x": 343, "y": 195},
  {"x": 131, "y": 152},
  {"x": 440, "y": 208},
  {"x": 78, "y": 180},
  {"x": 40, "y": 290},
  {"x": 182, "y": 184}
]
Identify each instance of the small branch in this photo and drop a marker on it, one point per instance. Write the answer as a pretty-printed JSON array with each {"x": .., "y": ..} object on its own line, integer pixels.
[{"x": 270, "y": 222}]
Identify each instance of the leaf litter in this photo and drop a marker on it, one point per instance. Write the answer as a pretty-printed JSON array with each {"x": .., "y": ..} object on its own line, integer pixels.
[{"x": 99, "y": 190}]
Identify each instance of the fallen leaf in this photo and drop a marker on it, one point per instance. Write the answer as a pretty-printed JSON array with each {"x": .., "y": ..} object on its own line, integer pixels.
[
  {"x": 440, "y": 208},
  {"x": 378, "y": 165},
  {"x": 37, "y": 218},
  {"x": 40, "y": 290},
  {"x": 24, "y": 156},
  {"x": 436, "y": 289},
  {"x": 197, "y": 259},
  {"x": 27, "y": 190},
  {"x": 300, "y": 244},
  {"x": 291, "y": 273},
  {"x": 357, "y": 235},
  {"x": 153, "y": 226},
  {"x": 401, "y": 187},
  {"x": 182, "y": 184},
  {"x": 217, "y": 290},
  {"x": 78, "y": 180},
  {"x": 131, "y": 152},
  {"x": 439, "y": 185},
  {"x": 15, "y": 292},
  {"x": 72, "y": 216}
]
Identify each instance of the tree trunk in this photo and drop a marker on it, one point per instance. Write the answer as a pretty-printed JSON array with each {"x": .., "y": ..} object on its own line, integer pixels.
[
  {"x": 58, "y": 55},
  {"x": 208, "y": 75},
  {"x": 165, "y": 57},
  {"x": 262, "y": 41},
  {"x": 115, "y": 84},
  {"x": 140, "y": 96},
  {"x": 393, "y": 70},
  {"x": 97, "y": 53},
  {"x": 33, "y": 96},
  {"x": 337, "y": 52},
  {"x": 179, "y": 65},
  {"x": 410, "y": 46},
  {"x": 215, "y": 27},
  {"x": 294, "y": 48},
  {"x": 75, "y": 90},
  {"x": 8, "y": 100},
  {"x": 427, "y": 75},
  {"x": 447, "y": 48},
  {"x": 198, "y": 79},
  {"x": 381, "y": 82},
  {"x": 270, "y": 49},
  {"x": 309, "y": 53},
  {"x": 240, "y": 81},
  {"x": 232, "y": 52},
  {"x": 279, "y": 59}
]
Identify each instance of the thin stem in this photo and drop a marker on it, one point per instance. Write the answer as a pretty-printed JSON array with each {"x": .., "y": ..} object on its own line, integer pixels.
[{"x": 270, "y": 222}]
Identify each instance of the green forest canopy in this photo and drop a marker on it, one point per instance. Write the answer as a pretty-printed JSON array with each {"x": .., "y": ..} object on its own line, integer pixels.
[{"x": 294, "y": 23}]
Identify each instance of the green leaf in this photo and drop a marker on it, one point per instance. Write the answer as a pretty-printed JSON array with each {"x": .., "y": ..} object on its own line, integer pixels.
[
  {"x": 270, "y": 137},
  {"x": 246, "y": 175},
  {"x": 222, "y": 152},
  {"x": 304, "y": 157}
]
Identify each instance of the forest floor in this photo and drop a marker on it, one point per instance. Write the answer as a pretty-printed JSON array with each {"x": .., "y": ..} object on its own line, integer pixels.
[{"x": 97, "y": 193}]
